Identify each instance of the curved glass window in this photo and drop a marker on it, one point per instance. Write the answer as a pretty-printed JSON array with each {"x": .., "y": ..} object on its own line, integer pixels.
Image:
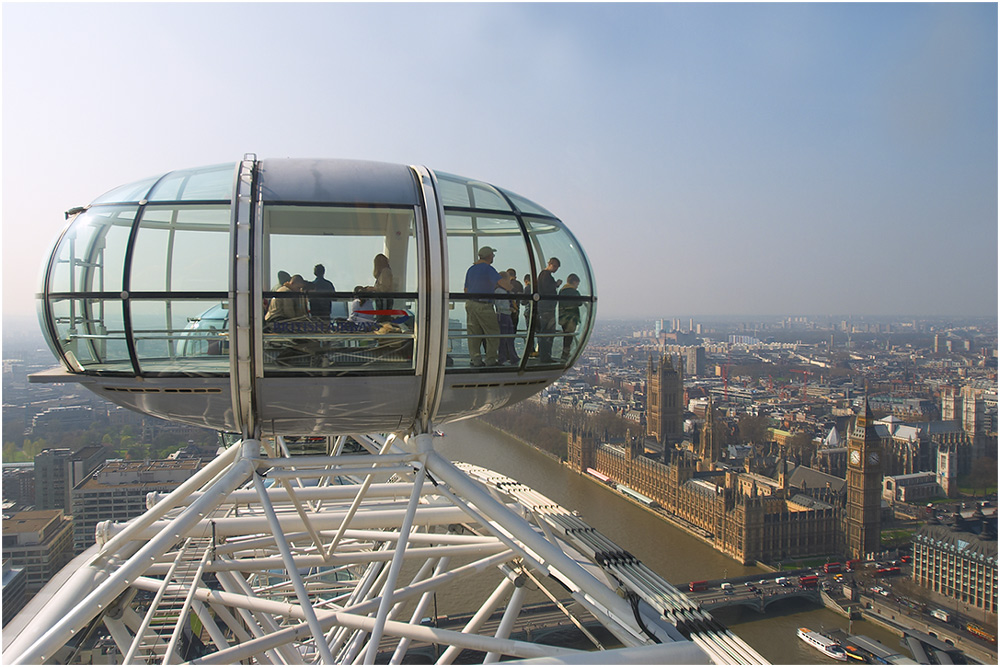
[
  {"x": 485, "y": 327},
  {"x": 201, "y": 184},
  {"x": 101, "y": 311},
  {"x": 181, "y": 248},
  {"x": 564, "y": 286},
  {"x": 84, "y": 290},
  {"x": 459, "y": 192},
  {"x": 526, "y": 205},
  {"x": 186, "y": 336},
  {"x": 91, "y": 334},
  {"x": 133, "y": 192},
  {"x": 178, "y": 289},
  {"x": 511, "y": 326},
  {"x": 91, "y": 253},
  {"x": 340, "y": 289}
]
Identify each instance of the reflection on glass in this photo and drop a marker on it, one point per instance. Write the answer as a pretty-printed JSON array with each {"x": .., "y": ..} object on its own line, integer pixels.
[{"x": 181, "y": 336}]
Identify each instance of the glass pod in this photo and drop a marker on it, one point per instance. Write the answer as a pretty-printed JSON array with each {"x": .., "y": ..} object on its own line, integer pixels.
[{"x": 302, "y": 297}]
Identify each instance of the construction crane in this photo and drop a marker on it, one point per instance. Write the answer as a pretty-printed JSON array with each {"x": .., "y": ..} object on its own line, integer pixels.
[{"x": 805, "y": 380}]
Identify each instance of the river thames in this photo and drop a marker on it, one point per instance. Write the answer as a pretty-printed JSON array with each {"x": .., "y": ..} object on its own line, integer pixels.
[{"x": 674, "y": 554}]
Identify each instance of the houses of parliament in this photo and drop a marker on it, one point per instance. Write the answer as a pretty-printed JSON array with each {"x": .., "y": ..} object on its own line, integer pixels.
[{"x": 749, "y": 516}]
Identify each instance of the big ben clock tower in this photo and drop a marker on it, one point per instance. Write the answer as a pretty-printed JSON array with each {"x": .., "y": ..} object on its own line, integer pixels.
[{"x": 864, "y": 487}]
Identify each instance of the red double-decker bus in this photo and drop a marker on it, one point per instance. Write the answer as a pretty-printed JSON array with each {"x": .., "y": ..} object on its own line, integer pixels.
[
  {"x": 853, "y": 565},
  {"x": 808, "y": 581},
  {"x": 887, "y": 571},
  {"x": 981, "y": 632},
  {"x": 696, "y": 586},
  {"x": 831, "y": 568}
]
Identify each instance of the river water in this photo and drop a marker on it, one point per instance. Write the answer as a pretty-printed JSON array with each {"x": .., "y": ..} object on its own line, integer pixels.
[{"x": 675, "y": 555}]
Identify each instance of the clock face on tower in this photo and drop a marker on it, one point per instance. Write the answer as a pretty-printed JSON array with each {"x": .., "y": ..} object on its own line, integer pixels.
[
  {"x": 855, "y": 457},
  {"x": 873, "y": 457}
]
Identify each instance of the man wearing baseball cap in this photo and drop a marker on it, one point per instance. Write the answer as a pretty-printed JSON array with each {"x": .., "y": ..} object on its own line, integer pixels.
[{"x": 482, "y": 280}]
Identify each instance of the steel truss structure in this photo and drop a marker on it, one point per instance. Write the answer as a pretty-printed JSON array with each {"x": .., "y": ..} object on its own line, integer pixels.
[{"x": 263, "y": 557}]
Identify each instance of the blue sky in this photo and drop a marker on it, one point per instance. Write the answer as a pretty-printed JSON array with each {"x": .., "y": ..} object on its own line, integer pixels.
[{"x": 712, "y": 159}]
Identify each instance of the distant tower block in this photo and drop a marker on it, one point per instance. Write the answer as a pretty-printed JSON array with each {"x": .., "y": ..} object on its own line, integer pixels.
[
  {"x": 664, "y": 401},
  {"x": 164, "y": 296}
]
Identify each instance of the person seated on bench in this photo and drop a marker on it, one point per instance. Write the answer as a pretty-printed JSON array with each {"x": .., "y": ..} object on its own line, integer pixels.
[
  {"x": 362, "y": 302},
  {"x": 288, "y": 308}
]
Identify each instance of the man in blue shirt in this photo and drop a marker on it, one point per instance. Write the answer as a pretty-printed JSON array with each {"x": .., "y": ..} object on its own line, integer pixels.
[{"x": 481, "y": 316}]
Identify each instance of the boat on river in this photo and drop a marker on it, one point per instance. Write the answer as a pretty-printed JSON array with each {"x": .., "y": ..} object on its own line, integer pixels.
[{"x": 823, "y": 644}]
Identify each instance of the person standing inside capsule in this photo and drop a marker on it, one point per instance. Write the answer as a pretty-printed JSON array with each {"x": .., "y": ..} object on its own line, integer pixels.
[
  {"x": 569, "y": 313},
  {"x": 515, "y": 306},
  {"x": 383, "y": 283},
  {"x": 320, "y": 306},
  {"x": 481, "y": 317},
  {"x": 547, "y": 286}
]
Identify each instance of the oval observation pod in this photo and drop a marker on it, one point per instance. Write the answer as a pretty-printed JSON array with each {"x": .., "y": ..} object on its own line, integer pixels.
[{"x": 300, "y": 297}]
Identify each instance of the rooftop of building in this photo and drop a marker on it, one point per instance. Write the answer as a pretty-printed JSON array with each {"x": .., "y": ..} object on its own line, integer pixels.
[
  {"x": 111, "y": 470},
  {"x": 10, "y": 572},
  {"x": 807, "y": 503},
  {"x": 31, "y": 521},
  {"x": 761, "y": 480},
  {"x": 703, "y": 486},
  {"x": 804, "y": 477},
  {"x": 150, "y": 466},
  {"x": 88, "y": 451},
  {"x": 965, "y": 538},
  {"x": 912, "y": 477}
]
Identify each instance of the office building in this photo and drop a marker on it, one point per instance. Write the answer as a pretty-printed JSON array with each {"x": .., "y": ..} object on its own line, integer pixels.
[
  {"x": 117, "y": 492},
  {"x": 14, "y": 594},
  {"x": 40, "y": 542},
  {"x": 58, "y": 470},
  {"x": 19, "y": 483},
  {"x": 50, "y": 478},
  {"x": 958, "y": 559}
]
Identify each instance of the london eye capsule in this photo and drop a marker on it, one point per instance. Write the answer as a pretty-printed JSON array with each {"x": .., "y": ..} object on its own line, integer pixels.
[{"x": 297, "y": 297}]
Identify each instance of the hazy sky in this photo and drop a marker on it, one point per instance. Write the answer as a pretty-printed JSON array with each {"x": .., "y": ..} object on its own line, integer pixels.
[{"x": 711, "y": 159}]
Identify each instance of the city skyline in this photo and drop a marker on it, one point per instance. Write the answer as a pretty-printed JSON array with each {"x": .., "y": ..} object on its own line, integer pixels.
[{"x": 711, "y": 159}]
